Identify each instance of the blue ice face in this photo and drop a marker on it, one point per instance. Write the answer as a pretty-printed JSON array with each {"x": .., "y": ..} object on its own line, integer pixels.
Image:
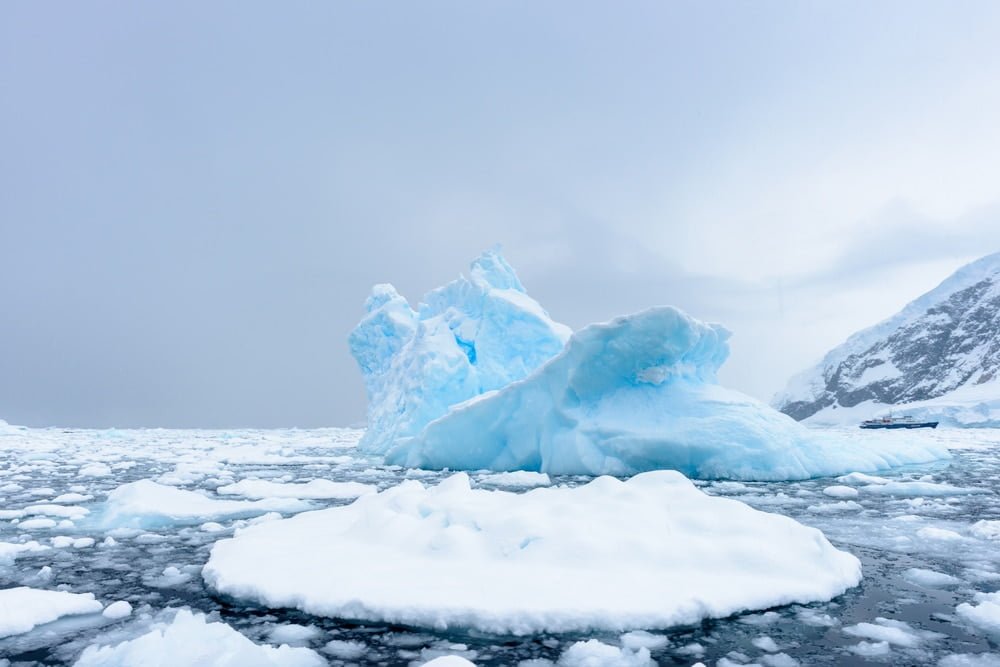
[{"x": 471, "y": 336}]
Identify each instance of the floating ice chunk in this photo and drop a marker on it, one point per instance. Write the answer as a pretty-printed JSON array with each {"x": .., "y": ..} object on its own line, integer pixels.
[
  {"x": 650, "y": 552},
  {"x": 317, "y": 488},
  {"x": 517, "y": 479},
  {"x": 871, "y": 649},
  {"x": 934, "y": 533},
  {"x": 778, "y": 660},
  {"x": 986, "y": 530},
  {"x": 69, "y": 498},
  {"x": 859, "y": 478},
  {"x": 598, "y": 408},
  {"x": 471, "y": 336},
  {"x": 146, "y": 504},
  {"x": 117, "y": 610},
  {"x": 930, "y": 578},
  {"x": 37, "y": 524},
  {"x": 23, "y": 608},
  {"x": 191, "y": 641},
  {"x": 95, "y": 469},
  {"x": 765, "y": 643},
  {"x": 344, "y": 649},
  {"x": 894, "y": 632},
  {"x": 985, "y": 615},
  {"x": 841, "y": 492},
  {"x": 293, "y": 634},
  {"x": 815, "y": 618},
  {"x": 593, "y": 653},
  {"x": 638, "y": 639},
  {"x": 9, "y": 551}
]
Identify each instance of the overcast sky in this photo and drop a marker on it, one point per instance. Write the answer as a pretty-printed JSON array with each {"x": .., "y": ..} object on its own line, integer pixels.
[{"x": 196, "y": 197}]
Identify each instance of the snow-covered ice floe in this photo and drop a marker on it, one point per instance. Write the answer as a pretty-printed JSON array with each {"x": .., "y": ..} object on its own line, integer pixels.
[
  {"x": 634, "y": 394},
  {"x": 192, "y": 641},
  {"x": 317, "y": 488},
  {"x": 146, "y": 504},
  {"x": 650, "y": 552},
  {"x": 23, "y": 608}
]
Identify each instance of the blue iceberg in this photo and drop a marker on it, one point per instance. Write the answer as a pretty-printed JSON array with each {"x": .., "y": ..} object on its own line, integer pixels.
[
  {"x": 472, "y": 336},
  {"x": 635, "y": 394}
]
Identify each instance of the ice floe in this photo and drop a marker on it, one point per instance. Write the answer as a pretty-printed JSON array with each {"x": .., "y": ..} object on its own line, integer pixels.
[
  {"x": 23, "y": 608},
  {"x": 650, "y": 552},
  {"x": 190, "y": 640}
]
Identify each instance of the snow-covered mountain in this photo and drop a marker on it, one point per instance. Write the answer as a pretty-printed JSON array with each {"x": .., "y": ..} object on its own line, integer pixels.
[{"x": 939, "y": 356}]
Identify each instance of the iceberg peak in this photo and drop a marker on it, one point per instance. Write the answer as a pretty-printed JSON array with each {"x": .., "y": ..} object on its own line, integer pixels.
[{"x": 466, "y": 338}]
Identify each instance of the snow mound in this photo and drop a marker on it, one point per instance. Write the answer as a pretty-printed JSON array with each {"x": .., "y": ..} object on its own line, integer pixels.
[
  {"x": 650, "y": 552},
  {"x": 471, "y": 336},
  {"x": 191, "y": 641},
  {"x": 634, "y": 394},
  {"x": 146, "y": 504},
  {"x": 23, "y": 608}
]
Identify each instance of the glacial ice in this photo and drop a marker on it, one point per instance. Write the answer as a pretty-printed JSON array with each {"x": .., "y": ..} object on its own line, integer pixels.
[
  {"x": 190, "y": 640},
  {"x": 469, "y": 337},
  {"x": 639, "y": 393},
  {"x": 650, "y": 552},
  {"x": 479, "y": 378}
]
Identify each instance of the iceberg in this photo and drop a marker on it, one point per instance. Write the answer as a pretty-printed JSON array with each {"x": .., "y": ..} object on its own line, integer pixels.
[
  {"x": 650, "y": 552},
  {"x": 469, "y": 337},
  {"x": 481, "y": 378}
]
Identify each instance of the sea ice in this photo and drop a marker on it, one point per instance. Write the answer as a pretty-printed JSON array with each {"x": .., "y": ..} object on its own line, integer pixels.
[
  {"x": 985, "y": 615},
  {"x": 146, "y": 504},
  {"x": 650, "y": 552},
  {"x": 23, "y": 608},
  {"x": 191, "y": 641},
  {"x": 471, "y": 336},
  {"x": 315, "y": 489},
  {"x": 593, "y": 653}
]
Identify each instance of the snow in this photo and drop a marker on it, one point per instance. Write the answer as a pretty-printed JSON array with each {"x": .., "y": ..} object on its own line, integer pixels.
[
  {"x": 146, "y": 504},
  {"x": 317, "y": 489},
  {"x": 192, "y": 641},
  {"x": 23, "y": 608},
  {"x": 639, "y": 393},
  {"x": 466, "y": 338},
  {"x": 650, "y": 552}
]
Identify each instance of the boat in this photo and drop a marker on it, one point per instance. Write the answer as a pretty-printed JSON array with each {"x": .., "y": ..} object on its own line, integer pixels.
[{"x": 906, "y": 421}]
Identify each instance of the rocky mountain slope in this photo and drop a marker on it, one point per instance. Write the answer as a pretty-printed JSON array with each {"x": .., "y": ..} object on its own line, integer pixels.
[{"x": 944, "y": 345}]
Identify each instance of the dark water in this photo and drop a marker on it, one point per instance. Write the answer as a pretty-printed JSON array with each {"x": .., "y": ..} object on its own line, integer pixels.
[{"x": 890, "y": 534}]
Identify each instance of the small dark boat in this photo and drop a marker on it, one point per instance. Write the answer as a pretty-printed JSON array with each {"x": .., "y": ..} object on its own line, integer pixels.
[{"x": 906, "y": 421}]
